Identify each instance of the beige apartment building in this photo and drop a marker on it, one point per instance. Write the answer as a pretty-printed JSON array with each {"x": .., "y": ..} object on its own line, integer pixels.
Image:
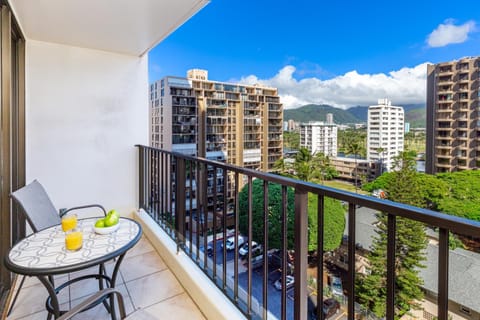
[
  {"x": 366, "y": 170},
  {"x": 233, "y": 123},
  {"x": 453, "y": 116}
]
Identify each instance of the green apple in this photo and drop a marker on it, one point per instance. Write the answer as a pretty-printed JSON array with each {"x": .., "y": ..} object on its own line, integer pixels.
[
  {"x": 100, "y": 223},
  {"x": 113, "y": 212},
  {"x": 111, "y": 220}
]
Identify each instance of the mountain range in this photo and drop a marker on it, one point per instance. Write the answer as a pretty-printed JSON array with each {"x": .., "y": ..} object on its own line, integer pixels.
[{"x": 415, "y": 114}]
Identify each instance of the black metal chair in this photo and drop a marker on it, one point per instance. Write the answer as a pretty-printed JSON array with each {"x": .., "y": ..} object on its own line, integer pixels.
[
  {"x": 93, "y": 299},
  {"x": 40, "y": 214}
]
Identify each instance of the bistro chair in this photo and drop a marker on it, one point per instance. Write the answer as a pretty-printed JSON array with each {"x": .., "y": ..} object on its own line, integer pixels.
[
  {"x": 98, "y": 296},
  {"x": 40, "y": 213}
]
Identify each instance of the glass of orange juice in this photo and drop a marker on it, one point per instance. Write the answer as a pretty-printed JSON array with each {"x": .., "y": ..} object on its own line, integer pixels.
[
  {"x": 73, "y": 240},
  {"x": 69, "y": 222}
]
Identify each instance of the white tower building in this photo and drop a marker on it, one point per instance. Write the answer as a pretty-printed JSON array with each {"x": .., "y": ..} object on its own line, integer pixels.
[
  {"x": 385, "y": 132},
  {"x": 319, "y": 137}
]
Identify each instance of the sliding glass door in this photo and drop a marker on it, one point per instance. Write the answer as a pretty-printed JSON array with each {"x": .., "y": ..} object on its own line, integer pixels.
[{"x": 12, "y": 135}]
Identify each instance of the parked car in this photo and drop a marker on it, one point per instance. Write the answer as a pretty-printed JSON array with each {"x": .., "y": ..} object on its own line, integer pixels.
[
  {"x": 290, "y": 281},
  {"x": 330, "y": 307},
  {"x": 275, "y": 260},
  {"x": 336, "y": 286},
  {"x": 244, "y": 249},
  {"x": 230, "y": 243},
  {"x": 257, "y": 259},
  {"x": 210, "y": 250}
]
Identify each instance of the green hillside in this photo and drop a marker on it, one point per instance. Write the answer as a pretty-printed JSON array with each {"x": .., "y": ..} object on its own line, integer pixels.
[
  {"x": 415, "y": 114},
  {"x": 416, "y": 117},
  {"x": 314, "y": 112}
]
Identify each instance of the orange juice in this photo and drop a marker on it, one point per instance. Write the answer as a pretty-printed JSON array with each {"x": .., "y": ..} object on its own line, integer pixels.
[
  {"x": 69, "y": 222},
  {"x": 73, "y": 240}
]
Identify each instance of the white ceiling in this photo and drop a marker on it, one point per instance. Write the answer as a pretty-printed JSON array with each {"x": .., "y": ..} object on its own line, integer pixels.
[{"x": 123, "y": 26}]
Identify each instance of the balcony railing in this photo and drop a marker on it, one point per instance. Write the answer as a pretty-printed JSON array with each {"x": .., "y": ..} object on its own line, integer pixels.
[{"x": 166, "y": 177}]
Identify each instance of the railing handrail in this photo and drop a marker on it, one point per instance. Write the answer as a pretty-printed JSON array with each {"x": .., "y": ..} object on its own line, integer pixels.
[{"x": 433, "y": 218}]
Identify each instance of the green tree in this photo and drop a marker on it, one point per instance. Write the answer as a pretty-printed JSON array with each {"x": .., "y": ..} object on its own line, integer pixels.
[
  {"x": 334, "y": 221},
  {"x": 354, "y": 149},
  {"x": 304, "y": 169},
  {"x": 463, "y": 198},
  {"x": 334, "y": 217},
  {"x": 323, "y": 170},
  {"x": 380, "y": 152},
  {"x": 291, "y": 140},
  {"x": 274, "y": 213},
  {"x": 283, "y": 167},
  {"x": 409, "y": 248},
  {"x": 315, "y": 167}
]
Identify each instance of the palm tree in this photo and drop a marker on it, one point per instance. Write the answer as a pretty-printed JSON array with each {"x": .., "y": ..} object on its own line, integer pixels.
[
  {"x": 380, "y": 152},
  {"x": 303, "y": 164},
  {"x": 323, "y": 169},
  {"x": 354, "y": 148},
  {"x": 282, "y": 167}
]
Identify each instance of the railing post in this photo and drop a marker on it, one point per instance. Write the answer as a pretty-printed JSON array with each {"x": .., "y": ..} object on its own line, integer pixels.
[
  {"x": 351, "y": 260},
  {"x": 301, "y": 252},
  {"x": 180, "y": 199},
  {"x": 320, "y": 237},
  {"x": 391, "y": 250},
  {"x": 443, "y": 253},
  {"x": 141, "y": 177}
]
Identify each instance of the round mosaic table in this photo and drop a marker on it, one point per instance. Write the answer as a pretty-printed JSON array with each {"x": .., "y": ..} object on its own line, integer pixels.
[{"x": 43, "y": 254}]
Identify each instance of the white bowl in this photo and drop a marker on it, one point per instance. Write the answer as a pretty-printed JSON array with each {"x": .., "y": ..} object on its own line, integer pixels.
[{"x": 106, "y": 230}]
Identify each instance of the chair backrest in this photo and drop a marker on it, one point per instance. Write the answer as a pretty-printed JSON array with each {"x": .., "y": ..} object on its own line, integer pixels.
[{"x": 37, "y": 206}]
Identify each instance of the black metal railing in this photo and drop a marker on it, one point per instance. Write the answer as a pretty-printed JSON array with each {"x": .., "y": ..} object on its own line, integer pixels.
[{"x": 173, "y": 190}]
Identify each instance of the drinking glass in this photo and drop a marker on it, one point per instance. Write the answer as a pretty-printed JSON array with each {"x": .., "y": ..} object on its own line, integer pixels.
[
  {"x": 73, "y": 240},
  {"x": 69, "y": 222}
]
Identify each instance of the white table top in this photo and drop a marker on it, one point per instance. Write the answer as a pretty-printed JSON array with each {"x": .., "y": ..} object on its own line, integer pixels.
[{"x": 45, "y": 250}]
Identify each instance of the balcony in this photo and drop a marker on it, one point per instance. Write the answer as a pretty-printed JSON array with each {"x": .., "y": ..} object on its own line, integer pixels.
[
  {"x": 226, "y": 273},
  {"x": 147, "y": 284}
]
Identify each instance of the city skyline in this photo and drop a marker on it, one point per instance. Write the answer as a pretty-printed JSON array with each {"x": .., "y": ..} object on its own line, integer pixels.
[{"x": 352, "y": 55}]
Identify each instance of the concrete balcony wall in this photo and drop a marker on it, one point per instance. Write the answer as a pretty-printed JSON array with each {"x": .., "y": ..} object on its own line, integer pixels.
[{"x": 86, "y": 109}]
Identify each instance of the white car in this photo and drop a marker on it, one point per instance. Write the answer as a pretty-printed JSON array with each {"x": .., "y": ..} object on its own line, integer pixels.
[
  {"x": 336, "y": 286},
  {"x": 244, "y": 249},
  {"x": 290, "y": 281},
  {"x": 230, "y": 243}
]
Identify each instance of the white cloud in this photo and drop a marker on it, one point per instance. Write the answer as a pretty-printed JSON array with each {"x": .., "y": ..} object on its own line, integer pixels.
[
  {"x": 448, "y": 33},
  {"x": 403, "y": 86}
]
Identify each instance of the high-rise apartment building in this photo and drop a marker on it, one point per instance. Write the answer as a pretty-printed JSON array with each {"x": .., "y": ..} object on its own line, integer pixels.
[
  {"x": 235, "y": 123},
  {"x": 385, "y": 133},
  {"x": 453, "y": 116},
  {"x": 329, "y": 118},
  {"x": 319, "y": 137}
]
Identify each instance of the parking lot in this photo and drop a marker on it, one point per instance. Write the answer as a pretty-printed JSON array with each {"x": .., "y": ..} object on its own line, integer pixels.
[{"x": 273, "y": 295}]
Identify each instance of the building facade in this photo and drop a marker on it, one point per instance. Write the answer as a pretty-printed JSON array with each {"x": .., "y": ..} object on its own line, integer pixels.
[
  {"x": 347, "y": 168},
  {"x": 453, "y": 116},
  {"x": 319, "y": 137},
  {"x": 385, "y": 133},
  {"x": 233, "y": 123}
]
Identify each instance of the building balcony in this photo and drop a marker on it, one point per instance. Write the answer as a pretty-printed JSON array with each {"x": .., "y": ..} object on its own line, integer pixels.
[
  {"x": 445, "y": 81},
  {"x": 444, "y": 110},
  {"x": 443, "y": 116},
  {"x": 169, "y": 271},
  {"x": 444, "y": 101},
  {"x": 444, "y": 155},
  {"x": 150, "y": 289},
  {"x": 191, "y": 244},
  {"x": 443, "y": 165}
]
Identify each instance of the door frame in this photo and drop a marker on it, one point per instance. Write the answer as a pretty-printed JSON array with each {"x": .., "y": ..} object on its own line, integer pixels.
[{"x": 12, "y": 135}]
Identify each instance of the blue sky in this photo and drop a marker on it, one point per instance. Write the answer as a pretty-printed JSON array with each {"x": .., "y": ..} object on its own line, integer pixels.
[{"x": 318, "y": 51}]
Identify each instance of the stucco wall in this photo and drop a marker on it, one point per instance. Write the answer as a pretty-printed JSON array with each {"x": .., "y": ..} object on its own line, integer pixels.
[{"x": 85, "y": 111}]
